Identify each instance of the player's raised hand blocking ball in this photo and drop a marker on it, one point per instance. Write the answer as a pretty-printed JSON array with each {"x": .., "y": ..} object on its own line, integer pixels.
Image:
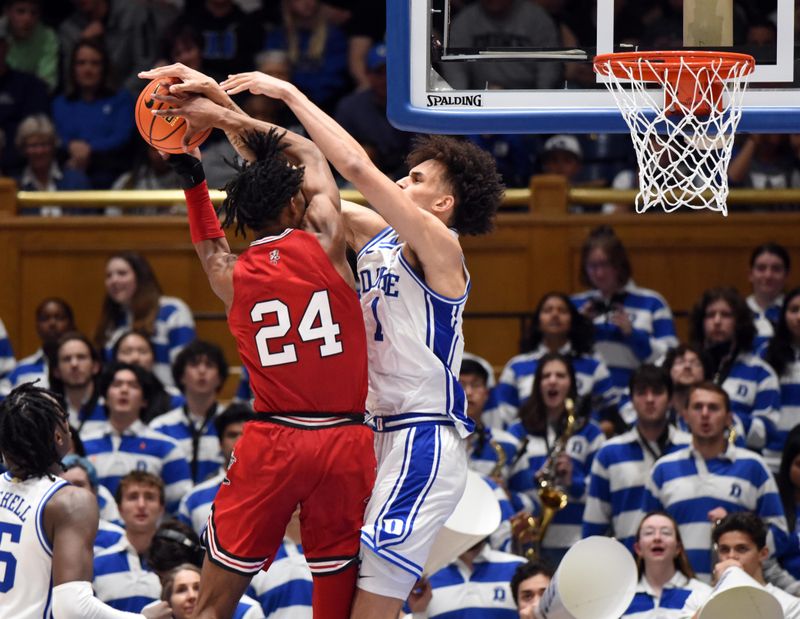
[{"x": 166, "y": 133}]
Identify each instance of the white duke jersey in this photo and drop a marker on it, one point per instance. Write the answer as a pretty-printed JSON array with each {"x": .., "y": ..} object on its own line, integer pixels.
[
  {"x": 25, "y": 552},
  {"x": 414, "y": 337}
]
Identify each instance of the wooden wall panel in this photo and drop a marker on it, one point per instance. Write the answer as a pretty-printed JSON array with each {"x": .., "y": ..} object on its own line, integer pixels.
[{"x": 527, "y": 255}]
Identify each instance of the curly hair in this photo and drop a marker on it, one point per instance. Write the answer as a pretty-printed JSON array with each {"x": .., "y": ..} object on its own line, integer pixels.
[
  {"x": 673, "y": 354},
  {"x": 744, "y": 332},
  {"x": 472, "y": 175},
  {"x": 262, "y": 188},
  {"x": 28, "y": 418}
]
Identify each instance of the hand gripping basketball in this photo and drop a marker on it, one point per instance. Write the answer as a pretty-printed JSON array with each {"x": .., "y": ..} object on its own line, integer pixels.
[{"x": 162, "y": 125}]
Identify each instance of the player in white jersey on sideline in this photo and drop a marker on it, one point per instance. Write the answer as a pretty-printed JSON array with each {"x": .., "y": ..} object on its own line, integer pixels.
[
  {"x": 47, "y": 526},
  {"x": 414, "y": 285}
]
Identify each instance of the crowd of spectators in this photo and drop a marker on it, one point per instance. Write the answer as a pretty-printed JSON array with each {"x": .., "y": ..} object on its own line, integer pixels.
[
  {"x": 72, "y": 66},
  {"x": 692, "y": 432}
]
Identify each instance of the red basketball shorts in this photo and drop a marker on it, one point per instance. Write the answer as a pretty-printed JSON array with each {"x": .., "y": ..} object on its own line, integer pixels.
[{"x": 327, "y": 471}]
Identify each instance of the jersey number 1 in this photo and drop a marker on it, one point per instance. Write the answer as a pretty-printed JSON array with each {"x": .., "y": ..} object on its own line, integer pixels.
[{"x": 317, "y": 311}]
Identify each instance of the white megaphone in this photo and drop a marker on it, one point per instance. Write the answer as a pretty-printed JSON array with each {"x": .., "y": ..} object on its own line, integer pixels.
[
  {"x": 476, "y": 517},
  {"x": 596, "y": 579},
  {"x": 739, "y": 596}
]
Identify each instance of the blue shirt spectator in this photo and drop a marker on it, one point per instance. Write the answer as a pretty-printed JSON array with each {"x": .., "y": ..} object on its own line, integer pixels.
[
  {"x": 95, "y": 123},
  {"x": 317, "y": 52}
]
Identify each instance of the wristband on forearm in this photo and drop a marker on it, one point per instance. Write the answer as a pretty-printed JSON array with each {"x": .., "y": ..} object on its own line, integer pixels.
[
  {"x": 189, "y": 170},
  {"x": 203, "y": 221}
]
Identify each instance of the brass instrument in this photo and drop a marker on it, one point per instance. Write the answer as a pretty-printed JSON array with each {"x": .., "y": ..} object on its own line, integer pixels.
[
  {"x": 528, "y": 531},
  {"x": 732, "y": 435},
  {"x": 501, "y": 459}
]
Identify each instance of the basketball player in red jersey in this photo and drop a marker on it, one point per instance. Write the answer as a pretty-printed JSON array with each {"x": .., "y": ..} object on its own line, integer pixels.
[{"x": 292, "y": 307}]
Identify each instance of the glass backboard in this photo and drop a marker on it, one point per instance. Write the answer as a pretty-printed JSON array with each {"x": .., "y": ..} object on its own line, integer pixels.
[{"x": 456, "y": 67}]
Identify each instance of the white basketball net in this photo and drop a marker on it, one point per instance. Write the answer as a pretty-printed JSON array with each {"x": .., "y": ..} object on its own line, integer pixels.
[{"x": 683, "y": 155}]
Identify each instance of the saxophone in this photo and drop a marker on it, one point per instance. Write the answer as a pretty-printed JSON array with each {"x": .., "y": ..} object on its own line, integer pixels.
[
  {"x": 527, "y": 530},
  {"x": 497, "y": 470}
]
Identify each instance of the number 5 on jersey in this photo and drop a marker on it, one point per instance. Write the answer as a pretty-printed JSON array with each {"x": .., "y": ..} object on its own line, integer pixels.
[{"x": 317, "y": 311}]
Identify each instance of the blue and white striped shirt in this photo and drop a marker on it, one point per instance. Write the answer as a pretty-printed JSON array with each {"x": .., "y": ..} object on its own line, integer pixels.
[
  {"x": 669, "y": 605},
  {"x": 27, "y": 370},
  {"x": 122, "y": 581},
  {"x": 90, "y": 419},
  {"x": 173, "y": 329},
  {"x": 653, "y": 331},
  {"x": 179, "y": 425},
  {"x": 7, "y": 361},
  {"x": 592, "y": 378},
  {"x": 284, "y": 591},
  {"x": 482, "y": 592},
  {"x": 581, "y": 447},
  {"x": 789, "y": 417},
  {"x": 248, "y": 608},
  {"x": 140, "y": 448},
  {"x": 764, "y": 320},
  {"x": 688, "y": 487},
  {"x": 108, "y": 535},
  {"x": 616, "y": 484},
  {"x": 755, "y": 398},
  {"x": 196, "y": 505}
]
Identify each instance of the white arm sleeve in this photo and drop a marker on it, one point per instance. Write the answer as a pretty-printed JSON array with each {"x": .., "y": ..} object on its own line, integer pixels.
[{"x": 75, "y": 600}]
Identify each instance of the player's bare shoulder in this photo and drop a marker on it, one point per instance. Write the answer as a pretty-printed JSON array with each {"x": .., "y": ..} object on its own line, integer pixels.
[
  {"x": 71, "y": 504},
  {"x": 361, "y": 224}
]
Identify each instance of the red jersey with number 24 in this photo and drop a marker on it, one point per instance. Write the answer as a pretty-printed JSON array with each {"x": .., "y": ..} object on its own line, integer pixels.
[{"x": 298, "y": 327}]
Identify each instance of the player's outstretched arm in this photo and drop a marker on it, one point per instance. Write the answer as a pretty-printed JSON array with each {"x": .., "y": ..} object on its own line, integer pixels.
[
  {"x": 201, "y": 113},
  {"x": 207, "y": 236},
  {"x": 197, "y": 83},
  {"x": 437, "y": 249},
  {"x": 70, "y": 520}
]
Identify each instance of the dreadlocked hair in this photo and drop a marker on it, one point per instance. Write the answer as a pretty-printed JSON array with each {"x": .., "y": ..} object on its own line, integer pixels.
[
  {"x": 28, "y": 418},
  {"x": 262, "y": 188},
  {"x": 471, "y": 174}
]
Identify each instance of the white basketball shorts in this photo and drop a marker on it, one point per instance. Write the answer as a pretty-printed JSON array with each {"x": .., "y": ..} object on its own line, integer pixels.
[{"x": 422, "y": 472}]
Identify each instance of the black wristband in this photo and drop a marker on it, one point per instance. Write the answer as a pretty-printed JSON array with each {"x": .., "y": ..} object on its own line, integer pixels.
[{"x": 189, "y": 170}]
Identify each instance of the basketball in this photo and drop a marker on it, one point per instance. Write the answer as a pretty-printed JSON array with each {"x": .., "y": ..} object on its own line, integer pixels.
[{"x": 162, "y": 132}]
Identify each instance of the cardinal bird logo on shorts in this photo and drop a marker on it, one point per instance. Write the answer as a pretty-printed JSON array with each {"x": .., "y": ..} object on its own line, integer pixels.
[{"x": 274, "y": 256}]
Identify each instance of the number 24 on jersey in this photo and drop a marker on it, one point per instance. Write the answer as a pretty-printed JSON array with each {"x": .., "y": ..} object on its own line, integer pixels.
[{"x": 316, "y": 324}]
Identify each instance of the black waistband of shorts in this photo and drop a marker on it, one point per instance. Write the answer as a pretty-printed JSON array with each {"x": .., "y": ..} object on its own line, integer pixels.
[{"x": 312, "y": 421}]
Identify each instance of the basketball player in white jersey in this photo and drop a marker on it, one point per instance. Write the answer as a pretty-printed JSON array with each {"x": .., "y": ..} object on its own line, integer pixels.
[
  {"x": 47, "y": 526},
  {"x": 414, "y": 286}
]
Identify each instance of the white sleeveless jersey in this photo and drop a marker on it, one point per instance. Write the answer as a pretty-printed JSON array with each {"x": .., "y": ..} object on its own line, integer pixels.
[
  {"x": 414, "y": 337},
  {"x": 25, "y": 552}
]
